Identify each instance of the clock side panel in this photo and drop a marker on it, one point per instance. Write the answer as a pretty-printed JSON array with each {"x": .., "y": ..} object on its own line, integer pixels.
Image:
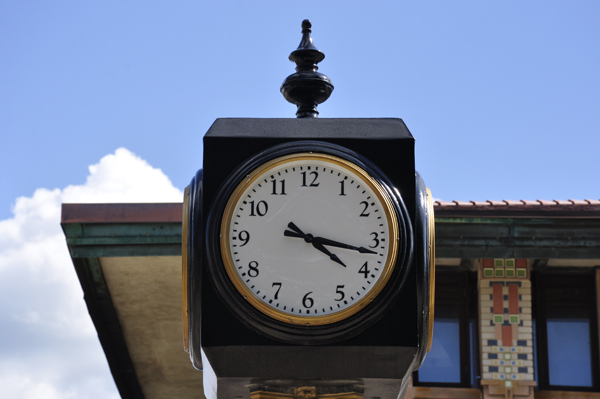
[{"x": 222, "y": 155}]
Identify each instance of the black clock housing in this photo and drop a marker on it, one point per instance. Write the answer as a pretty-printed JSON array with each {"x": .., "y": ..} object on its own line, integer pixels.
[{"x": 230, "y": 346}]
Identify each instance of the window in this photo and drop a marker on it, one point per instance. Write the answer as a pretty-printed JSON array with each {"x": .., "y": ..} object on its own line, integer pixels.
[
  {"x": 567, "y": 331},
  {"x": 453, "y": 352}
]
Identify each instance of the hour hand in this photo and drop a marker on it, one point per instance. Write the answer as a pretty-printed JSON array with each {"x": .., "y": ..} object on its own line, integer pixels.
[
  {"x": 288, "y": 233},
  {"x": 332, "y": 243},
  {"x": 297, "y": 233}
]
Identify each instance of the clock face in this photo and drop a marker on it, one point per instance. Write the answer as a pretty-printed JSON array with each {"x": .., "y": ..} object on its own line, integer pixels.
[{"x": 309, "y": 239}]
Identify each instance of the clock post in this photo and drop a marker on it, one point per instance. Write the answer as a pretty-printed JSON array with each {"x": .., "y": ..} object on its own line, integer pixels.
[{"x": 308, "y": 257}]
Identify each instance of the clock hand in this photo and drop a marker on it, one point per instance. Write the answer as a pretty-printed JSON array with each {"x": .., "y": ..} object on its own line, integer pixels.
[
  {"x": 321, "y": 248},
  {"x": 288, "y": 233},
  {"x": 332, "y": 243},
  {"x": 295, "y": 228},
  {"x": 297, "y": 233}
]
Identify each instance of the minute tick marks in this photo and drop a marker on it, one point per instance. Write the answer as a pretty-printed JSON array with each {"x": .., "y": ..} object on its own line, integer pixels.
[{"x": 319, "y": 277}]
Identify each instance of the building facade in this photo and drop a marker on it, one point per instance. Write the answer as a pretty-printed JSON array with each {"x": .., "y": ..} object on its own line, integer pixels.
[{"x": 516, "y": 313}]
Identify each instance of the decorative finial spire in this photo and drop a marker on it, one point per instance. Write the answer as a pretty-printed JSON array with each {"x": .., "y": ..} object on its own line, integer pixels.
[{"x": 306, "y": 88}]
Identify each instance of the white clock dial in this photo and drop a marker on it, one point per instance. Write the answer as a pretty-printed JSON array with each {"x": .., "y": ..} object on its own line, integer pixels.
[{"x": 309, "y": 238}]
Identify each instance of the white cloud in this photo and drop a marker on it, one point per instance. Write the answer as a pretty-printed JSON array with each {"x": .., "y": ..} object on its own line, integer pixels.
[
  {"x": 123, "y": 177},
  {"x": 23, "y": 387},
  {"x": 48, "y": 344}
]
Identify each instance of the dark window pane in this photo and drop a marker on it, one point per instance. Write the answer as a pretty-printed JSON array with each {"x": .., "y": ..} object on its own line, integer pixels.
[
  {"x": 442, "y": 363},
  {"x": 569, "y": 347},
  {"x": 473, "y": 337},
  {"x": 535, "y": 354}
]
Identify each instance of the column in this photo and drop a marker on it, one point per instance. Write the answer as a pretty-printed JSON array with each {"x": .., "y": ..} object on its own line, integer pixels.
[{"x": 506, "y": 329}]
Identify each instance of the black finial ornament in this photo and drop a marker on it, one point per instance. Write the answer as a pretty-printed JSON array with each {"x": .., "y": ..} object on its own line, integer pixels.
[{"x": 306, "y": 88}]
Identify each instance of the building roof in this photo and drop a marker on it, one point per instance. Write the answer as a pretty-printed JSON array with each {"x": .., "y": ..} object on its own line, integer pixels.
[
  {"x": 128, "y": 260},
  {"x": 518, "y": 202},
  {"x": 588, "y": 208},
  {"x": 172, "y": 212}
]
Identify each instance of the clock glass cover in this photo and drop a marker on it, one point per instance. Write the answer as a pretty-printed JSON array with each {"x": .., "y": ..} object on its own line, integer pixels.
[{"x": 309, "y": 239}]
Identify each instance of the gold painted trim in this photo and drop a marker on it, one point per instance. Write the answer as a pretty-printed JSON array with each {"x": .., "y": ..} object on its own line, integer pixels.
[
  {"x": 446, "y": 393},
  {"x": 305, "y": 393},
  {"x": 270, "y": 395},
  {"x": 274, "y": 313},
  {"x": 431, "y": 218},
  {"x": 342, "y": 395},
  {"x": 277, "y": 395},
  {"x": 565, "y": 394},
  {"x": 184, "y": 263}
]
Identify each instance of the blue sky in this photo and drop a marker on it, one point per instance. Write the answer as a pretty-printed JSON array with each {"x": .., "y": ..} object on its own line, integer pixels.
[{"x": 503, "y": 98}]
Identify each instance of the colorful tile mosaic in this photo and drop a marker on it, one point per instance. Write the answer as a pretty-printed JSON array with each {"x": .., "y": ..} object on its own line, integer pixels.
[
  {"x": 506, "y": 328},
  {"x": 505, "y": 268}
]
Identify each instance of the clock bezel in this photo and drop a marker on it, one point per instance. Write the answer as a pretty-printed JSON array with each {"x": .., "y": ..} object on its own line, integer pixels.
[
  {"x": 294, "y": 333},
  {"x": 308, "y": 320}
]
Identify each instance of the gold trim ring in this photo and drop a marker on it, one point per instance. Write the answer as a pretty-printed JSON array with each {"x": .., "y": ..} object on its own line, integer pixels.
[{"x": 277, "y": 314}]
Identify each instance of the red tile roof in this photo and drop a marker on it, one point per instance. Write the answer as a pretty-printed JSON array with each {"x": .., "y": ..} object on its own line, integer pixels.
[
  {"x": 170, "y": 213},
  {"x": 519, "y": 202},
  {"x": 122, "y": 213},
  {"x": 522, "y": 208}
]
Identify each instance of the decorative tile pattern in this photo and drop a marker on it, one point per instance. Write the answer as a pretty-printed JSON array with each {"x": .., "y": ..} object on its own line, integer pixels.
[
  {"x": 505, "y": 268},
  {"x": 506, "y": 327}
]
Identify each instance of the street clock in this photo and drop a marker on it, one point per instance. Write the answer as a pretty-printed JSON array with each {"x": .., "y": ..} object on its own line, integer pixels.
[{"x": 308, "y": 248}]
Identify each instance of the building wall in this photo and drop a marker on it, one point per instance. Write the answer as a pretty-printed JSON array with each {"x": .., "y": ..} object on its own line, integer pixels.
[{"x": 506, "y": 295}]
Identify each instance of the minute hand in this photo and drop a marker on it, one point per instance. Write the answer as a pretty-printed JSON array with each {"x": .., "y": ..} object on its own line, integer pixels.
[{"x": 326, "y": 241}]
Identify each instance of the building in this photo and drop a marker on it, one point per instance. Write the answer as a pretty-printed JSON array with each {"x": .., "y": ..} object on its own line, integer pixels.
[{"x": 517, "y": 298}]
